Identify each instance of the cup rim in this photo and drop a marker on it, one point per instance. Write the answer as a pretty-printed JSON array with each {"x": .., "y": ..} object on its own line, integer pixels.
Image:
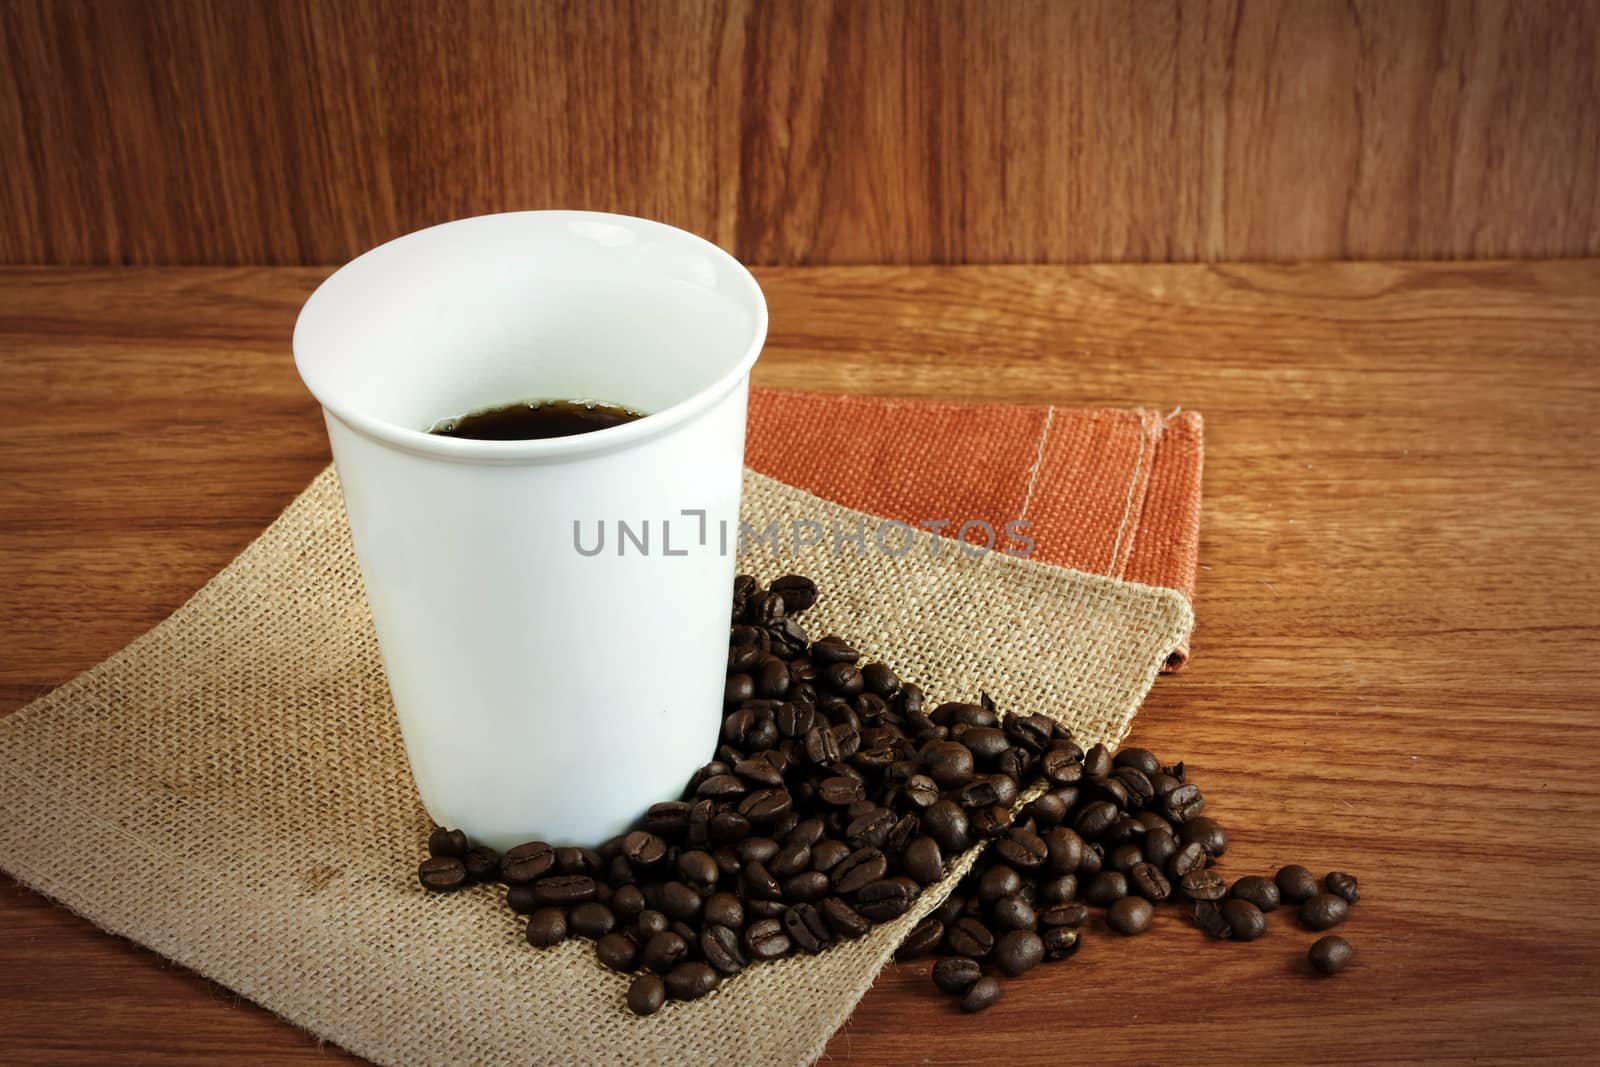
[{"x": 469, "y": 450}]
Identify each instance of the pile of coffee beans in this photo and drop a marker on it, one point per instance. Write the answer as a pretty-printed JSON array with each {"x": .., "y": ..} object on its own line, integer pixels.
[{"x": 838, "y": 793}]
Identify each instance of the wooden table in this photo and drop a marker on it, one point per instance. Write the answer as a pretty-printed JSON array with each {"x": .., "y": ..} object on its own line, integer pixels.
[{"x": 1391, "y": 671}]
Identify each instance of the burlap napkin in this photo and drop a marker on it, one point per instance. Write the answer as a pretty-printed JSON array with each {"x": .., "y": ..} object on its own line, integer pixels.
[{"x": 231, "y": 791}]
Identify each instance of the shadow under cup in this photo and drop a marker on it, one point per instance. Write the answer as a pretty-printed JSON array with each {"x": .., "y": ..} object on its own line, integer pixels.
[{"x": 544, "y": 689}]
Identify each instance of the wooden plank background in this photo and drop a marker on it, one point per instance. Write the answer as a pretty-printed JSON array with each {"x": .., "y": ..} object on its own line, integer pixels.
[{"x": 809, "y": 131}]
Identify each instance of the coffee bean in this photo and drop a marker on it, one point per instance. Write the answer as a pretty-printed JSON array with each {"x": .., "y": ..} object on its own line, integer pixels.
[
  {"x": 806, "y": 886},
  {"x": 1129, "y": 916},
  {"x": 1245, "y": 919},
  {"x": 1261, "y": 892},
  {"x": 833, "y": 649},
  {"x": 1183, "y": 803},
  {"x": 663, "y": 952},
  {"x": 669, "y": 819},
  {"x": 546, "y": 927},
  {"x": 1207, "y": 833},
  {"x": 948, "y": 763},
  {"x": 764, "y": 909},
  {"x": 920, "y": 791},
  {"x": 720, "y": 946},
  {"x": 1096, "y": 818},
  {"x": 924, "y": 938},
  {"x": 691, "y": 981},
  {"x": 842, "y": 919},
  {"x": 1023, "y": 849},
  {"x": 969, "y": 937},
  {"x": 1208, "y": 917},
  {"x": 806, "y": 928},
  {"x": 1065, "y": 848},
  {"x": 1125, "y": 858},
  {"x": 482, "y": 864},
  {"x": 525, "y": 863},
  {"x": 1203, "y": 884},
  {"x": 1097, "y": 762},
  {"x": 627, "y": 902},
  {"x": 722, "y": 909},
  {"x": 956, "y": 974},
  {"x": 1093, "y": 859},
  {"x": 1106, "y": 888},
  {"x": 1147, "y": 881},
  {"x": 1013, "y": 912},
  {"x": 1060, "y": 942},
  {"x": 679, "y": 901},
  {"x": 697, "y": 867},
  {"x": 766, "y": 806},
  {"x": 1189, "y": 858},
  {"x": 1323, "y": 911},
  {"x": 947, "y": 824},
  {"x": 828, "y": 854},
  {"x": 1018, "y": 952},
  {"x": 441, "y": 874},
  {"x": 1029, "y": 732},
  {"x": 444, "y": 842},
  {"x": 643, "y": 848},
  {"x": 649, "y": 923},
  {"x": 618, "y": 952},
  {"x": 756, "y": 850},
  {"x": 798, "y": 592},
  {"x": 885, "y": 899},
  {"x": 1329, "y": 955},
  {"x": 765, "y": 940},
  {"x": 1296, "y": 884},
  {"x": 522, "y": 899},
  {"x": 591, "y": 919},
  {"x": 923, "y": 861},
  {"x": 998, "y": 881},
  {"x": 1059, "y": 890},
  {"x": 1067, "y": 914},
  {"x": 841, "y": 791},
  {"x": 870, "y": 830},
  {"x": 985, "y": 743},
  {"x": 793, "y": 858},
  {"x": 857, "y": 870},
  {"x": 984, "y": 993},
  {"x": 1141, "y": 759},
  {"x": 646, "y": 995},
  {"x": 1342, "y": 885}
]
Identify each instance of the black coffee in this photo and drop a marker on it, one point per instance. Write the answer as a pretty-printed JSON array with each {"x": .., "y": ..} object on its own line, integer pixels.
[{"x": 535, "y": 420}]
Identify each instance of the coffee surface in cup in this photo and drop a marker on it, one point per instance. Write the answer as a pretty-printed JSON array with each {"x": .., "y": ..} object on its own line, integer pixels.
[{"x": 534, "y": 420}]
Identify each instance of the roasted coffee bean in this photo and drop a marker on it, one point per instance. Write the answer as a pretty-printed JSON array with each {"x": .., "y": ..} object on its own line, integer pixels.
[
  {"x": 956, "y": 974},
  {"x": 1018, "y": 952},
  {"x": 880, "y": 679},
  {"x": 984, "y": 993},
  {"x": 1125, "y": 831},
  {"x": 842, "y": 919},
  {"x": 1245, "y": 919},
  {"x": 1109, "y": 790},
  {"x": 646, "y": 994},
  {"x": 482, "y": 864},
  {"x": 920, "y": 791},
  {"x": 793, "y": 858},
  {"x": 1093, "y": 859},
  {"x": 1096, "y": 818},
  {"x": 843, "y": 678},
  {"x": 1059, "y": 942},
  {"x": 1159, "y": 847},
  {"x": 1066, "y": 850},
  {"x": 766, "y": 806},
  {"x": 591, "y": 919},
  {"x": 525, "y": 863},
  {"x": 828, "y": 854},
  {"x": 989, "y": 823},
  {"x": 764, "y": 909},
  {"x": 832, "y": 649},
  {"x": 649, "y": 923},
  {"x": 440, "y": 874},
  {"x": 858, "y": 869},
  {"x": 722, "y": 787},
  {"x": 737, "y": 689},
  {"x": 1207, "y": 833},
  {"x": 1330, "y": 954},
  {"x": 870, "y": 830},
  {"x": 998, "y": 881},
  {"x": 1261, "y": 892},
  {"x": 697, "y": 867},
  {"x": 1141, "y": 759},
  {"x": 956, "y": 712},
  {"x": 1068, "y": 914},
  {"x": 985, "y": 742},
  {"x": 644, "y": 849},
  {"x": 1323, "y": 911},
  {"x": 680, "y": 902},
  {"x": 444, "y": 842},
  {"x": 1046, "y": 811},
  {"x": 924, "y": 938},
  {"x": 923, "y": 861},
  {"x": 1063, "y": 766},
  {"x": 546, "y": 927},
  {"x": 951, "y": 908},
  {"x": 1023, "y": 849},
  {"x": 1189, "y": 858},
  {"x": 669, "y": 819},
  {"x": 1208, "y": 917},
  {"x": 1129, "y": 916},
  {"x": 1296, "y": 884},
  {"x": 822, "y": 745},
  {"x": 806, "y": 886},
  {"x": 806, "y": 832},
  {"x": 723, "y": 909},
  {"x": 1342, "y": 885},
  {"x": 947, "y": 824},
  {"x": 1059, "y": 890},
  {"x": 1203, "y": 884},
  {"x": 885, "y": 899},
  {"x": 798, "y": 592},
  {"x": 720, "y": 946},
  {"x": 1147, "y": 880},
  {"x": 759, "y": 772},
  {"x": 627, "y": 902},
  {"x": 663, "y": 952},
  {"x": 699, "y": 831},
  {"x": 807, "y": 928},
  {"x": 618, "y": 952},
  {"x": 521, "y": 899},
  {"x": 1138, "y": 787},
  {"x": 969, "y": 937},
  {"x": 757, "y": 850},
  {"x": 691, "y": 981},
  {"x": 1164, "y": 784},
  {"x": 841, "y": 791},
  {"x": 1106, "y": 888},
  {"x": 772, "y": 679},
  {"x": 1097, "y": 762},
  {"x": 758, "y": 882},
  {"x": 1183, "y": 803},
  {"x": 765, "y": 940},
  {"x": 948, "y": 763},
  {"x": 1125, "y": 858},
  {"x": 1013, "y": 913}
]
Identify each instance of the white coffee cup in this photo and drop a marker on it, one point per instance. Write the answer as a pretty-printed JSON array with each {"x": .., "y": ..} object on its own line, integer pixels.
[{"x": 543, "y": 691}]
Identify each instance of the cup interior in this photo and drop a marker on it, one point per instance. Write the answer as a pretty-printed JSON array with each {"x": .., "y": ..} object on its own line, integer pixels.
[{"x": 537, "y": 305}]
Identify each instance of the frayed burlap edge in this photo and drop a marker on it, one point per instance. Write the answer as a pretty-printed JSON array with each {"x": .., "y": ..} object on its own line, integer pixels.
[{"x": 230, "y": 790}]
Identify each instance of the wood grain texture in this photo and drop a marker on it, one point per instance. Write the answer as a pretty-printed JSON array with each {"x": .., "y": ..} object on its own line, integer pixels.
[
  {"x": 823, "y": 131},
  {"x": 1390, "y": 673}
]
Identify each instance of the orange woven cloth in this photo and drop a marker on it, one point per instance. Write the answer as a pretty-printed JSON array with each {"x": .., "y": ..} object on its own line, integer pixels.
[{"x": 1112, "y": 492}]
